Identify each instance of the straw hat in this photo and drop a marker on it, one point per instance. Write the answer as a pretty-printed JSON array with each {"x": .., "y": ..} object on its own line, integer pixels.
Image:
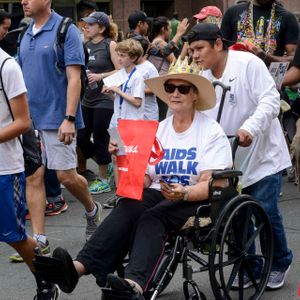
[{"x": 189, "y": 72}]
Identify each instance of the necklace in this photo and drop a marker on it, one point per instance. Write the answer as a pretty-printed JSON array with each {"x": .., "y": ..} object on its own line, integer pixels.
[{"x": 264, "y": 40}]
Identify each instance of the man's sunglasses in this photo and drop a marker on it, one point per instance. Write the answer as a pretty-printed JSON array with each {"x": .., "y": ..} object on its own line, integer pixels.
[{"x": 182, "y": 89}]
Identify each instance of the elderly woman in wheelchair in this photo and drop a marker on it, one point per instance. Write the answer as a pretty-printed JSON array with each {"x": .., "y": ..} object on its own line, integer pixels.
[{"x": 195, "y": 146}]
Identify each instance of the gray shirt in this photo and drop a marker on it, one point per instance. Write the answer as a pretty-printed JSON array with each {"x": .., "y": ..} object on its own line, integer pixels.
[{"x": 99, "y": 62}]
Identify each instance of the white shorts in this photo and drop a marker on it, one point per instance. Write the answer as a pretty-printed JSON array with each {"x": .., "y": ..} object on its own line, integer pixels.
[{"x": 55, "y": 154}]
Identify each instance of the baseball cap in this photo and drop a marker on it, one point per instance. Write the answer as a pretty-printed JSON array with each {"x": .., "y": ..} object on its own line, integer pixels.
[
  {"x": 206, "y": 32},
  {"x": 97, "y": 17},
  {"x": 135, "y": 17},
  {"x": 208, "y": 11}
]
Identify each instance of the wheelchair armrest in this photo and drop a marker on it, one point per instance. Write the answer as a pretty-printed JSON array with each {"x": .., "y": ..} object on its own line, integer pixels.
[{"x": 226, "y": 174}]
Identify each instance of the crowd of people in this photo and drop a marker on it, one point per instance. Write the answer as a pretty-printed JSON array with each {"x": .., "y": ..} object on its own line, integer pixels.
[{"x": 55, "y": 91}]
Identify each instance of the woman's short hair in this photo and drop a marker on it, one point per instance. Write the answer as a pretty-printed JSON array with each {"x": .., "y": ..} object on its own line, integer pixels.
[
  {"x": 131, "y": 47},
  {"x": 111, "y": 31},
  {"x": 4, "y": 15}
]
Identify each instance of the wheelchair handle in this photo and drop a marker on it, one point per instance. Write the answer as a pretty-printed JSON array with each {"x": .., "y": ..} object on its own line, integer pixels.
[{"x": 225, "y": 89}]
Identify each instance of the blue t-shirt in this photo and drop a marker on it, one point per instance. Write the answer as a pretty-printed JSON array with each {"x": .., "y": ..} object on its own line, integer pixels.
[{"x": 45, "y": 82}]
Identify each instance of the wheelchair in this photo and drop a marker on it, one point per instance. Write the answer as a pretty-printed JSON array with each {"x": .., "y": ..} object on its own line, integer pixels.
[{"x": 229, "y": 234}]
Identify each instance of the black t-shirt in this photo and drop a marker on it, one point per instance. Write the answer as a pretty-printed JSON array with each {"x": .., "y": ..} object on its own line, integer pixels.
[
  {"x": 99, "y": 62},
  {"x": 296, "y": 60},
  {"x": 286, "y": 27}
]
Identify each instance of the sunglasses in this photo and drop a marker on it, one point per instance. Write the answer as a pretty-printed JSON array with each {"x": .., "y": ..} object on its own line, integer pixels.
[{"x": 182, "y": 89}]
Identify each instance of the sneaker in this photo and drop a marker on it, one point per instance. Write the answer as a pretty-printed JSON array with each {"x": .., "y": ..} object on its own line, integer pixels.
[
  {"x": 47, "y": 291},
  {"x": 247, "y": 282},
  {"x": 88, "y": 175},
  {"x": 56, "y": 207},
  {"x": 112, "y": 202},
  {"x": 276, "y": 279},
  {"x": 110, "y": 172},
  {"x": 93, "y": 222},
  {"x": 98, "y": 187},
  {"x": 45, "y": 250}
]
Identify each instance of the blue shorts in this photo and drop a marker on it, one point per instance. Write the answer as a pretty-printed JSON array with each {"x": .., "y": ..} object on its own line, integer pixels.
[{"x": 12, "y": 208}]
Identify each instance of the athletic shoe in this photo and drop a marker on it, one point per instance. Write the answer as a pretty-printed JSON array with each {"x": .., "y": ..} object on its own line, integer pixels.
[
  {"x": 48, "y": 291},
  {"x": 93, "y": 222},
  {"x": 276, "y": 279},
  {"x": 110, "y": 172},
  {"x": 56, "y": 207},
  {"x": 247, "y": 282},
  {"x": 45, "y": 250},
  {"x": 112, "y": 202},
  {"x": 98, "y": 187},
  {"x": 88, "y": 175}
]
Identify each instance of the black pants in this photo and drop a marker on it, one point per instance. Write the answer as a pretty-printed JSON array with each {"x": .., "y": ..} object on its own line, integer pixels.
[
  {"x": 96, "y": 121},
  {"x": 138, "y": 227}
]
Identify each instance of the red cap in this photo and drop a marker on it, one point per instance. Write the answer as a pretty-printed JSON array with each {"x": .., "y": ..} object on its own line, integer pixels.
[{"x": 208, "y": 11}]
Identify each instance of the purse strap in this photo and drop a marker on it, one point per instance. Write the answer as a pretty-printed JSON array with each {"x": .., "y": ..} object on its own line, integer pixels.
[{"x": 5, "y": 95}]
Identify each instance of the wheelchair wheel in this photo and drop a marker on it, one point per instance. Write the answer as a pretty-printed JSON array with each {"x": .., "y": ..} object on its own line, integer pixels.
[
  {"x": 191, "y": 291},
  {"x": 242, "y": 247}
]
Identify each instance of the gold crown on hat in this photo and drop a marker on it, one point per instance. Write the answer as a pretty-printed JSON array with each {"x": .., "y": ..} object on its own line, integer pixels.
[{"x": 184, "y": 66}]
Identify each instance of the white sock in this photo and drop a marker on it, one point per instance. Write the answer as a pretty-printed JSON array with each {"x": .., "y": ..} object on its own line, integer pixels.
[
  {"x": 93, "y": 212},
  {"x": 104, "y": 180},
  {"x": 39, "y": 237}
]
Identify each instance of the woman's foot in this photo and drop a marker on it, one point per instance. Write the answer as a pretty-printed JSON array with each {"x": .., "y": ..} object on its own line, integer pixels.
[
  {"x": 57, "y": 269},
  {"x": 119, "y": 284}
]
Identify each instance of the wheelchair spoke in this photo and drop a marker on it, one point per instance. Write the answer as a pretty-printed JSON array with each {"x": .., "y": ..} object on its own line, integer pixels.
[
  {"x": 254, "y": 236},
  {"x": 246, "y": 225},
  {"x": 249, "y": 271},
  {"x": 233, "y": 274}
]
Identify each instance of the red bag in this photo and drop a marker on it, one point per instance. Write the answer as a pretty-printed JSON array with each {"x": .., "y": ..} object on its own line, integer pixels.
[{"x": 138, "y": 137}]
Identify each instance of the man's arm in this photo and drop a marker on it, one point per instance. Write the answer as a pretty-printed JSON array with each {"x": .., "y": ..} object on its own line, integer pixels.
[
  {"x": 66, "y": 131},
  {"x": 21, "y": 123},
  {"x": 263, "y": 95}
]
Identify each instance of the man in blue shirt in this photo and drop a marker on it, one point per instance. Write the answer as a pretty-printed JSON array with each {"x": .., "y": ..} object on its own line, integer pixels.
[{"x": 52, "y": 78}]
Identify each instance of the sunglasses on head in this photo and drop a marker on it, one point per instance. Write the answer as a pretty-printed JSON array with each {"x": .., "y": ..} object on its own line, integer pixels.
[{"x": 182, "y": 89}]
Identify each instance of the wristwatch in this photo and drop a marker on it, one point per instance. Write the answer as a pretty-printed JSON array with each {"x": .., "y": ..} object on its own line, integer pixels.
[
  {"x": 185, "y": 194},
  {"x": 70, "y": 118}
]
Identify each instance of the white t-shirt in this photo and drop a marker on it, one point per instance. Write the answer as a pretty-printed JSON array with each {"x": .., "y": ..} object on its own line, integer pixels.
[
  {"x": 11, "y": 153},
  {"x": 203, "y": 146},
  {"x": 252, "y": 104},
  {"x": 148, "y": 70},
  {"x": 135, "y": 87}
]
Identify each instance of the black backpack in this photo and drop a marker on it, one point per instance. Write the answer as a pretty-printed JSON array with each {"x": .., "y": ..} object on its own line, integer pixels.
[{"x": 60, "y": 41}]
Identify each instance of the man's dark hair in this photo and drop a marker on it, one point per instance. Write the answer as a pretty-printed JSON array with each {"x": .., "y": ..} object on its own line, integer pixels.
[
  {"x": 4, "y": 15},
  {"x": 175, "y": 15}
]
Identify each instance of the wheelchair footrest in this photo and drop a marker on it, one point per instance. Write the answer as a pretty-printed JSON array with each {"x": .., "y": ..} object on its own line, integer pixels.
[{"x": 110, "y": 294}]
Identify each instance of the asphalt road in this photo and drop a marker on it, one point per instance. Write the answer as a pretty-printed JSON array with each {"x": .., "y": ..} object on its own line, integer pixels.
[{"x": 67, "y": 230}]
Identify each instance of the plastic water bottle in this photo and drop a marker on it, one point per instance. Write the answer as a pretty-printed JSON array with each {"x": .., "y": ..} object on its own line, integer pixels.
[{"x": 92, "y": 85}]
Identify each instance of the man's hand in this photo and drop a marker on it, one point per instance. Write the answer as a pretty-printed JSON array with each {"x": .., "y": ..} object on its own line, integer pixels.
[
  {"x": 245, "y": 138},
  {"x": 66, "y": 132}
]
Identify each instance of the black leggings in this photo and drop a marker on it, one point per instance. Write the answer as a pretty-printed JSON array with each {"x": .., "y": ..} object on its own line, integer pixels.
[
  {"x": 137, "y": 227},
  {"x": 96, "y": 121}
]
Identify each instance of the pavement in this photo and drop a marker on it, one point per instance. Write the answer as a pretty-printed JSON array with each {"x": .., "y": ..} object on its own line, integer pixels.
[{"x": 67, "y": 230}]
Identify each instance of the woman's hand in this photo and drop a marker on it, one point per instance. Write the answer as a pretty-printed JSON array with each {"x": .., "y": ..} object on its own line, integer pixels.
[
  {"x": 182, "y": 27},
  {"x": 93, "y": 77},
  {"x": 173, "y": 192},
  {"x": 113, "y": 147}
]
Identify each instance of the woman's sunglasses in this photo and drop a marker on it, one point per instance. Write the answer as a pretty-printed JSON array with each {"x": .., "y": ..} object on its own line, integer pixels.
[{"x": 182, "y": 89}]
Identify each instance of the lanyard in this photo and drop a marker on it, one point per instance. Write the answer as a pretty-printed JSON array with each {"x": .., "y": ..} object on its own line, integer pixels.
[{"x": 124, "y": 90}]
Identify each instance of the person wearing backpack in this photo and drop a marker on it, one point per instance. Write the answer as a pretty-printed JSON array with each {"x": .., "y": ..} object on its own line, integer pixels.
[
  {"x": 52, "y": 76},
  {"x": 14, "y": 121},
  {"x": 97, "y": 107}
]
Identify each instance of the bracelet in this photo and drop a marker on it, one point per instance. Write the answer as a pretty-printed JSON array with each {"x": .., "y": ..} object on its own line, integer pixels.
[{"x": 186, "y": 194}]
